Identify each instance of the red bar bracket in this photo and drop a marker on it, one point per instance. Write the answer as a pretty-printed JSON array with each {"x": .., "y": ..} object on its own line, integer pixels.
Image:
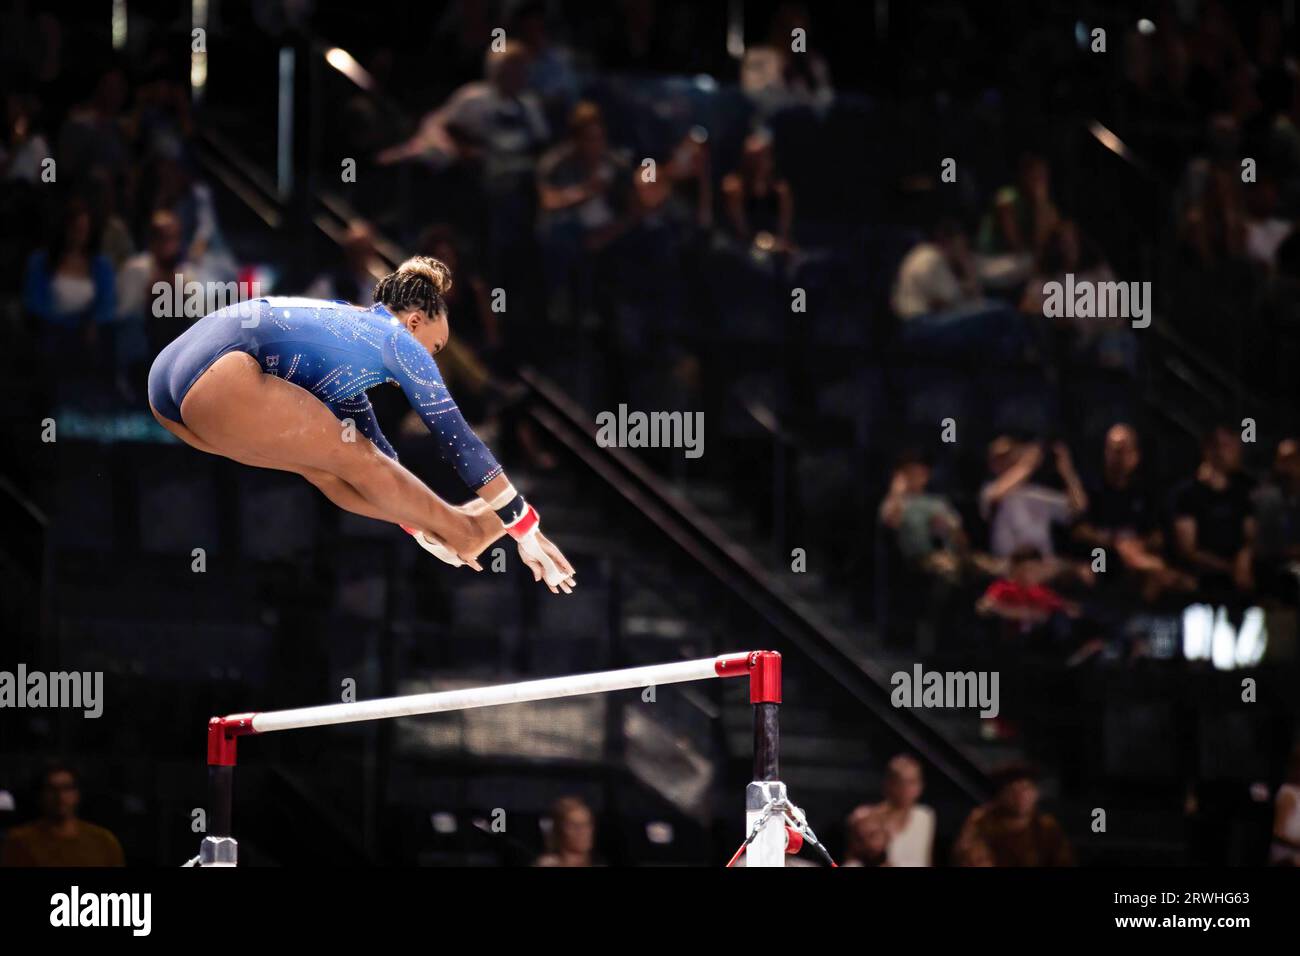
[
  {"x": 223, "y": 732},
  {"x": 764, "y": 671}
]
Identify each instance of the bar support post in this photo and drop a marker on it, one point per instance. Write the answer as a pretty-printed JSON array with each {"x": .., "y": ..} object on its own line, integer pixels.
[{"x": 766, "y": 789}]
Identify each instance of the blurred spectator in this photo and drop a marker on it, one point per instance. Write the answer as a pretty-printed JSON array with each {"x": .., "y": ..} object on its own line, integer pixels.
[
  {"x": 1286, "y": 816},
  {"x": 60, "y": 837},
  {"x": 587, "y": 201},
  {"x": 141, "y": 334},
  {"x": 496, "y": 127},
  {"x": 1020, "y": 512},
  {"x": 70, "y": 285},
  {"x": 115, "y": 236},
  {"x": 936, "y": 275},
  {"x": 163, "y": 120},
  {"x": 1021, "y": 598},
  {"x": 469, "y": 301},
  {"x": 23, "y": 149},
  {"x": 354, "y": 280},
  {"x": 1123, "y": 518},
  {"x": 866, "y": 841},
  {"x": 584, "y": 187},
  {"x": 1023, "y": 215},
  {"x": 927, "y": 527},
  {"x": 571, "y": 837},
  {"x": 777, "y": 76},
  {"x": 680, "y": 195},
  {"x": 461, "y": 34},
  {"x": 177, "y": 190},
  {"x": 1104, "y": 340},
  {"x": 759, "y": 203},
  {"x": 1213, "y": 524},
  {"x": 1277, "y": 516},
  {"x": 908, "y": 825},
  {"x": 552, "y": 75},
  {"x": 1011, "y": 827},
  {"x": 974, "y": 852},
  {"x": 1281, "y": 113},
  {"x": 496, "y": 120},
  {"x": 1265, "y": 229},
  {"x": 1213, "y": 228},
  {"x": 93, "y": 136}
]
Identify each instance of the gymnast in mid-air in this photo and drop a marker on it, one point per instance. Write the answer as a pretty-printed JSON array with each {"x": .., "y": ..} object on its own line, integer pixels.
[{"x": 274, "y": 383}]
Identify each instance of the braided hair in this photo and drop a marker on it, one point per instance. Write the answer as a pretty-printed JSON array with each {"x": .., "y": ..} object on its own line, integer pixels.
[{"x": 419, "y": 283}]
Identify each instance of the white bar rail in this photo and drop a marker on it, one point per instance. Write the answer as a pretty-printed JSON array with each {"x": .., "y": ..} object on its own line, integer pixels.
[{"x": 763, "y": 668}]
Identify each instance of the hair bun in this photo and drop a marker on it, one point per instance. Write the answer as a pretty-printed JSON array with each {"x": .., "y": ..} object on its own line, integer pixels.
[{"x": 434, "y": 270}]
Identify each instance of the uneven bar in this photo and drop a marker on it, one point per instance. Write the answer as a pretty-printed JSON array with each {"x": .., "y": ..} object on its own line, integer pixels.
[{"x": 763, "y": 668}]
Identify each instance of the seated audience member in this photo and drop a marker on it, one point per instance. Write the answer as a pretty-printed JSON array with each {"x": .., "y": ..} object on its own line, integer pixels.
[
  {"x": 584, "y": 187},
  {"x": 927, "y": 527},
  {"x": 552, "y": 75},
  {"x": 571, "y": 838},
  {"x": 1213, "y": 525},
  {"x": 777, "y": 78},
  {"x": 757, "y": 202},
  {"x": 1063, "y": 253},
  {"x": 115, "y": 239},
  {"x": 680, "y": 196},
  {"x": 1105, "y": 340},
  {"x": 1023, "y": 215},
  {"x": 909, "y": 825},
  {"x": 1020, "y": 598},
  {"x": 23, "y": 148},
  {"x": 586, "y": 203},
  {"x": 936, "y": 275},
  {"x": 975, "y": 853},
  {"x": 1286, "y": 816},
  {"x": 1266, "y": 230},
  {"x": 354, "y": 280},
  {"x": 1213, "y": 229},
  {"x": 1277, "y": 516},
  {"x": 178, "y": 190},
  {"x": 866, "y": 840},
  {"x": 1123, "y": 519},
  {"x": 1011, "y": 827},
  {"x": 497, "y": 121},
  {"x": 60, "y": 837},
  {"x": 469, "y": 299},
  {"x": 1020, "y": 512},
  {"x": 93, "y": 136},
  {"x": 141, "y": 333},
  {"x": 70, "y": 285}
]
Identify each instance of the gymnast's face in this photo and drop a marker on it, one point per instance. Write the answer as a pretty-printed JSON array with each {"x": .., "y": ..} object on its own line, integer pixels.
[{"x": 432, "y": 333}]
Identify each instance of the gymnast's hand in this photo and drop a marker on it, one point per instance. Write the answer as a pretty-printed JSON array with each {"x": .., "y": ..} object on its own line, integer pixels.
[
  {"x": 546, "y": 562},
  {"x": 485, "y": 528}
]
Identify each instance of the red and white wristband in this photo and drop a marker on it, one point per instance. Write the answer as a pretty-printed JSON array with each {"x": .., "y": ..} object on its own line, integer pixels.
[{"x": 523, "y": 524}]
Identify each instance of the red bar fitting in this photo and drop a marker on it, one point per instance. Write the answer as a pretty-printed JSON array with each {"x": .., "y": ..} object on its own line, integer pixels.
[
  {"x": 763, "y": 669},
  {"x": 223, "y": 732}
]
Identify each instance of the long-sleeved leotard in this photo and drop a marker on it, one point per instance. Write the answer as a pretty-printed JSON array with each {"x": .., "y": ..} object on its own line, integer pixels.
[{"x": 335, "y": 351}]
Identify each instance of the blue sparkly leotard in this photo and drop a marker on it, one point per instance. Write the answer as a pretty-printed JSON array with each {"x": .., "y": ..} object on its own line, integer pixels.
[{"x": 335, "y": 351}]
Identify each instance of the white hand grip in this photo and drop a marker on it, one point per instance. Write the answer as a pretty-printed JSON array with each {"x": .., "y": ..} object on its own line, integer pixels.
[
  {"x": 437, "y": 549},
  {"x": 532, "y": 548}
]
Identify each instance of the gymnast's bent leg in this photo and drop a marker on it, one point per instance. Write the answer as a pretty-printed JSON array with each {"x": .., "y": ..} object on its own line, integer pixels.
[
  {"x": 244, "y": 414},
  {"x": 331, "y": 486}
]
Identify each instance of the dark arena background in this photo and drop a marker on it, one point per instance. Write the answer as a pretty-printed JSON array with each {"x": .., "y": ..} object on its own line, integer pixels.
[{"x": 946, "y": 349}]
